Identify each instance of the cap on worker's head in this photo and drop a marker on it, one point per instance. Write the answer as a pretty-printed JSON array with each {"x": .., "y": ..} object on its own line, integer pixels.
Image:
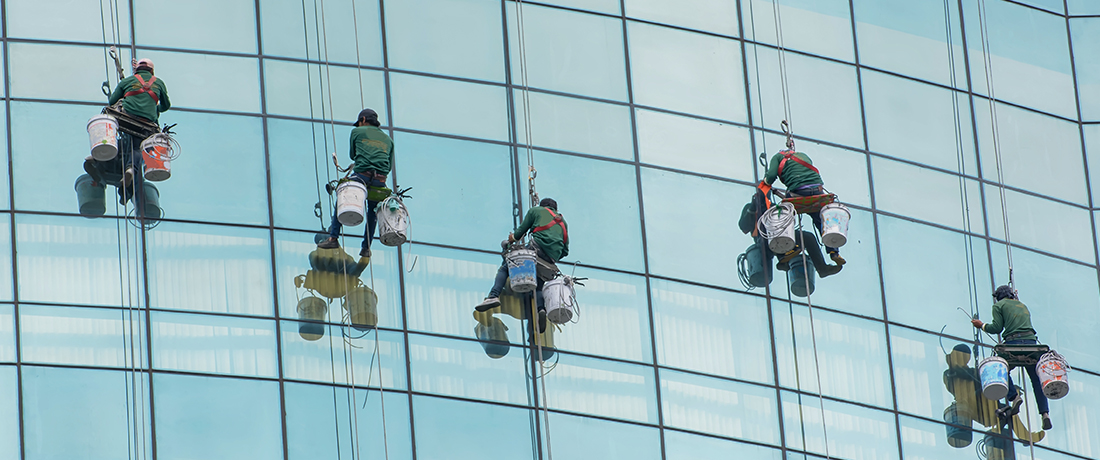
[
  {"x": 370, "y": 115},
  {"x": 144, "y": 62},
  {"x": 549, "y": 203},
  {"x": 1004, "y": 292}
]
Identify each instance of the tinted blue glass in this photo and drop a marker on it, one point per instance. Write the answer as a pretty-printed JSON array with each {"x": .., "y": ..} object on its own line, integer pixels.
[
  {"x": 5, "y": 190},
  {"x": 300, "y": 166},
  {"x": 420, "y": 35},
  {"x": 677, "y": 203},
  {"x": 683, "y": 446},
  {"x": 202, "y": 343},
  {"x": 233, "y": 28},
  {"x": 567, "y": 51},
  {"x": 450, "y": 206},
  {"x": 5, "y": 258},
  {"x": 7, "y": 334},
  {"x": 720, "y": 407},
  {"x": 1085, "y": 34},
  {"x": 853, "y": 432},
  {"x": 290, "y": 28},
  {"x": 1029, "y": 54},
  {"x": 301, "y": 90},
  {"x": 592, "y": 439},
  {"x": 1074, "y": 417},
  {"x": 67, "y": 78},
  {"x": 599, "y": 6},
  {"x": 924, "y": 439},
  {"x": 9, "y": 413},
  {"x": 460, "y": 368},
  {"x": 318, "y": 427},
  {"x": 1092, "y": 149},
  {"x": 455, "y": 430},
  {"x": 686, "y": 72},
  {"x": 695, "y": 331},
  {"x": 441, "y": 292},
  {"x": 449, "y": 107},
  {"x": 1029, "y": 218},
  {"x": 82, "y": 336},
  {"x": 920, "y": 366},
  {"x": 707, "y": 15},
  {"x": 344, "y": 356},
  {"x": 204, "y": 81},
  {"x": 613, "y": 318},
  {"x": 210, "y": 268},
  {"x": 217, "y": 418},
  {"x": 701, "y": 146},
  {"x": 942, "y": 202},
  {"x": 603, "y": 388},
  {"x": 1053, "y": 6},
  {"x": 68, "y": 21},
  {"x": 830, "y": 21},
  {"x": 1083, "y": 7},
  {"x": 575, "y": 125},
  {"x": 573, "y": 182},
  {"x": 911, "y": 38},
  {"x": 79, "y": 413}
]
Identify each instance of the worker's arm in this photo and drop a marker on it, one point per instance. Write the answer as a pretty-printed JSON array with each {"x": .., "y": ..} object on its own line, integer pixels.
[
  {"x": 392, "y": 148},
  {"x": 998, "y": 324},
  {"x": 773, "y": 170},
  {"x": 164, "y": 103},
  {"x": 528, "y": 222},
  {"x": 116, "y": 95},
  {"x": 351, "y": 145}
]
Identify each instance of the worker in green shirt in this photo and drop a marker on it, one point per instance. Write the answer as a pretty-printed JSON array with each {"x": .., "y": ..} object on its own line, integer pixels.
[
  {"x": 750, "y": 216},
  {"x": 798, "y": 174},
  {"x": 551, "y": 236},
  {"x": 372, "y": 153},
  {"x": 1012, "y": 320}
]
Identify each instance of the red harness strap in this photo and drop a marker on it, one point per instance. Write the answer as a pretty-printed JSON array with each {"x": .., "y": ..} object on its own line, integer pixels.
[
  {"x": 789, "y": 155},
  {"x": 557, "y": 221},
  {"x": 147, "y": 88}
]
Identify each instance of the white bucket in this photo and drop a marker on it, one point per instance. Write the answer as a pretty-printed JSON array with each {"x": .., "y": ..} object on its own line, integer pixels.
[
  {"x": 558, "y": 295},
  {"x": 351, "y": 203},
  {"x": 834, "y": 225},
  {"x": 778, "y": 223},
  {"x": 103, "y": 137},
  {"x": 393, "y": 221},
  {"x": 154, "y": 152},
  {"x": 994, "y": 376},
  {"x": 1053, "y": 373}
]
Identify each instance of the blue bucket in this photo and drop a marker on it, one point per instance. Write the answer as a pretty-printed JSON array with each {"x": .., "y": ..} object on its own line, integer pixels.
[
  {"x": 994, "y": 374},
  {"x": 760, "y": 267},
  {"x": 958, "y": 436},
  {"x": 797, "y": 277},
  {"x": 521, "y": 270}
]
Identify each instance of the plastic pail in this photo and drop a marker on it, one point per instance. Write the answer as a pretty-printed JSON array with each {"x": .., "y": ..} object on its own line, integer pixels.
[
  {"x": 154, "y": 151},
  {"x": 493, "y": 338},
  {"x": 362, "y": 305},
  {"x": 351, "y": 199},
  {"x": 760, "y": 267},
  {"x": 90, "y": 197},
  {"x": 994, "y": 376},
  {"x": 151, "y": 202},
  {"x": 521, "y": 270},
  {"x": 393, "y": 221},
  {"x": 779, "y": 224},
  {"x": 834, "y": 225},
  {"x": 958, "y": 436},
  {"x": 311, "y": 309},
  {"x": 797, "y": 277},
  {"x": 558, "y": 297},
  {"x": 103, "y": 137},
  {"x": 1053, "y": 372}
]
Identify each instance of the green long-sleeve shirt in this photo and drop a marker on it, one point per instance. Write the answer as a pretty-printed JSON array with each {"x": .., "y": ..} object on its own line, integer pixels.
[
  {"x": 142, "y": 105},
  {"x": 553, "y": 240},
  {"x": 371, "y": 149},
  {"x": 794, "y": 175},
  {"x": 1010, "y": 316}
]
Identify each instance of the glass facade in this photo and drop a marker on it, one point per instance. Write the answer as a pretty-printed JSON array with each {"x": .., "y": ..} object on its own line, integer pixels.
[{"x": 184, "y": 340}]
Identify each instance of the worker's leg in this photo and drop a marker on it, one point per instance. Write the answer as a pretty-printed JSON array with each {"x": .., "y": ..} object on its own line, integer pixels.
[
  {"x": 372, "y": 223},
  {"x": 1037, "y": 388},
  {"x": 493, "y": 299}
]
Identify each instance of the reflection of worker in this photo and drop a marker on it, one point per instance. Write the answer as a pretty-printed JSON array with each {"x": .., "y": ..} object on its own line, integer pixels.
[
  {"x": 750, "y": 215},
  {"x": 372, "y": 152},
  {"x": 970, "y": 406},
  {"x": 798, "y": 174},
  {"x": 1012, "y": 320},
  {"x": 551, "y": 236}
]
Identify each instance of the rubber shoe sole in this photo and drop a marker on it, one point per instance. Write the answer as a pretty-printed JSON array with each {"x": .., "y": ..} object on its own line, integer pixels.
[
  {"x": 829, "y": 270},
  {"x": 488, "y": 304}
]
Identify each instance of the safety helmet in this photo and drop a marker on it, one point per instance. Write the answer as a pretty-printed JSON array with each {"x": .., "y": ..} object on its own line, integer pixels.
[
  {"x": 1003, "y": 292},
  {"x": 144, "y": 62}
]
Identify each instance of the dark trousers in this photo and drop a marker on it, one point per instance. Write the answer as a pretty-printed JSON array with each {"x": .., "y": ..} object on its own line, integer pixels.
[
  {"x": 816, "y": 216},
  {"x": 1036, "y": 385},
  {"x": 502, "y": 277},
  {"x": 372, "y": 217},
  {"x": 129, "y": 156}
]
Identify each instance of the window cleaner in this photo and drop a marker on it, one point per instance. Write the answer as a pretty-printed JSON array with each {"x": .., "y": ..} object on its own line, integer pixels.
[
  {"x": 755, "y": 262},
  {"x": 970, "y": 406}
]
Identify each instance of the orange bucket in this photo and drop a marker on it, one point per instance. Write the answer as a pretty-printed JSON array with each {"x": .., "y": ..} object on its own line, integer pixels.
[{"x": 158, "y": 164}]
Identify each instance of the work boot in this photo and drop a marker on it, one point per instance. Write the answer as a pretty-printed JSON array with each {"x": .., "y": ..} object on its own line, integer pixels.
[
  {"x": 542, "y": 321},
  {"x": 1046, "y": 421},
  {"x": 365, "y": 253},
  {"x": 330, "y": 243},
  {"x": 93, "y": 172},
  {"x": 1011, "y": 409},
  {"x": 128, "y": 177},
  {"x": 836, "y": 258},
  {"x": 829, "y": 270},
  {"x": 488, "y": 304}
]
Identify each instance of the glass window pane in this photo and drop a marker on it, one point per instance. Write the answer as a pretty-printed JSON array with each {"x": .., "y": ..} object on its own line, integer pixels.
[
  {"x": 283, "y": 91},
  {"x": 198, "y": 81},
  {"x": 290, "y": 28},
  {"x": 911, "y": 38},
  {"x": 5, "y": 192},
  {"x": 830, "y": 21},
  {"x": 1029, "y": 54},
  {"x": 575, "y": 125},
  {"x": 233, "y": 28},
  {"x": 82, "y": 336},
  {"x": 1053, "y": 6},
  {"x": 686, "y": 72},
  {"x": 823, "y": 96},
  {"x": 455, "y": 430},
  {"x": 854, "y": 432},
  {"x": 851, "y": 353},
  {"x": 1078, "y": 7},
  {"x": 612, "y": 319},
  {"x": 217, "y": 418},
  {"x": 441, "y": 292},
  {"x": 573, "y": 182},
  {"x": 925, "y": 382},
  {"x": 1085, "y": 33},
  {"x": 700, "y": 146},
  {"x": 449, "y": 205},
  {"x": 707, "y": 15},
  {"x": 1075, "y": 418},
  {"x": 695, "y": 331},
  {"x": 922, "y": 439},
  {"x": 941, "y": 201},
  {"x": 461, "y": 368},
  {"x": 602, "y": 388},
  {"x": 81, "y": 413},
  {"x": 568, "y": 52},
  {"x": 319, "y": 427},
  {"x": 5, "y": 258},
  {"x": 420, "y": 36},
  {"x": 9, "y": 413},
  {"x": 67, "y": 78},
  {"x": 585, "y": 438},
  {"x": 214, "y": 344},
  {"x": 343, "y": 349},
  {"x": 683, "y": 446},
  {"x": 1092, "y": 147},
  {"x": 720, "y": 407},
  {"x": 301, "y": 165},
  {"x": 68, "y": 20},
  {"x": 675, "y": 203},
  {"x": 1030, "y": 219},
  {"x": 210, "y": 268},
  {"x": 599, "y": 6},
  {"x": 449, "y": 107},
  {"x": 7, "y": 334}
]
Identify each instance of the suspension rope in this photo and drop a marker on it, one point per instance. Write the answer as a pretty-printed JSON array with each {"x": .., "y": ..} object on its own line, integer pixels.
[
  {"x": 813, "y": 338},
  {"x": 781, "y": 51},
  {"x": 358, "y": 64},
  {"x": 312, "y": 125}
]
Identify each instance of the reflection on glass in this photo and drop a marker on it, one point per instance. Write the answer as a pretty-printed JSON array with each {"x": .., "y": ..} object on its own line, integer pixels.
[
  {"x": 449, "y": 107},
  {"x": 82, "y": 336},
  {"x": 444, "y": 288},
  {"x": 603, "y": 388},
  {"x": 319, "y": 424},
  {"x": 575, "y": 125},
  {"x": 67, "y": 78},
  {"x": 9, "y": 413},
  {"x": 196, "y": 81},
  {"x": 853, "y": 432},
  {"x": 5, "y": 258},
  {"x": 217, "y": 418},
  {"x": 910, "y": 38},
  {"x": 1041, "y": 224},
  {"x": 420, "y": 36},
  {"x": 585, "y": 438},
  {"x": 830, "y": 20},
  {"x": 214, "y": 344},
  {"x": 232, "y": 29},
  {"x": 300, "y": 168},
  {"x": 460, "y": 368},
  {"x": 684, "y": 446},
  {"x": 7, "y": 334},
  {"x": 717, "y": 149},
  {"x": 297, "y": 89},
  {"x": 457, "y": 430},
  {"x": 68, "y": 21},
  {"x": 346, "y": 356},
  {"x": 719, "y": 407},
  {"x": 612, "y": 318},
  {"x": 707, "y": 15},
  {"x": 940, "y": 200},
  {"x": 287, "y": 30},
  {"x": 921, "y": 439}
]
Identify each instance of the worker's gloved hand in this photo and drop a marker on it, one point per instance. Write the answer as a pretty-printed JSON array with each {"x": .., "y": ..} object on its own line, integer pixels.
[
  {"x": 511, "y": 238},
  {"x": 977, "y": 323}
]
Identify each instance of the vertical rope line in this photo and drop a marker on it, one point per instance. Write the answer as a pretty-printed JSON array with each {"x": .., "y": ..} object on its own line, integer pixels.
[
  {"x": 813, "y": 337},
  {"x": 332, "y": 370},
  {"x": 381, "y": 384},
  {"x": 312, "y": 125},
  {"x": 777, "y": 18},
  {"x": 131, "y": 425},
  {"x": 545, "y": 405},
  {"x": 328, "y": 76},
  {"x": 759, "y": 90},
  {"x": 321, "y": 89},
  {"x": 358, "y": 64},
  {"x": 527, "y": 132},
  {"x": 1027, "y": 412},
  {"x": 797, "y": 373}
]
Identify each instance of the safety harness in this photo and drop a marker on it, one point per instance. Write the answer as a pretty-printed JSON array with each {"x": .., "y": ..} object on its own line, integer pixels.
[
  {"x": 557, "y": 221},
  {"x": 789, "y": 155},
  {"x": 147, "y": 88}
]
